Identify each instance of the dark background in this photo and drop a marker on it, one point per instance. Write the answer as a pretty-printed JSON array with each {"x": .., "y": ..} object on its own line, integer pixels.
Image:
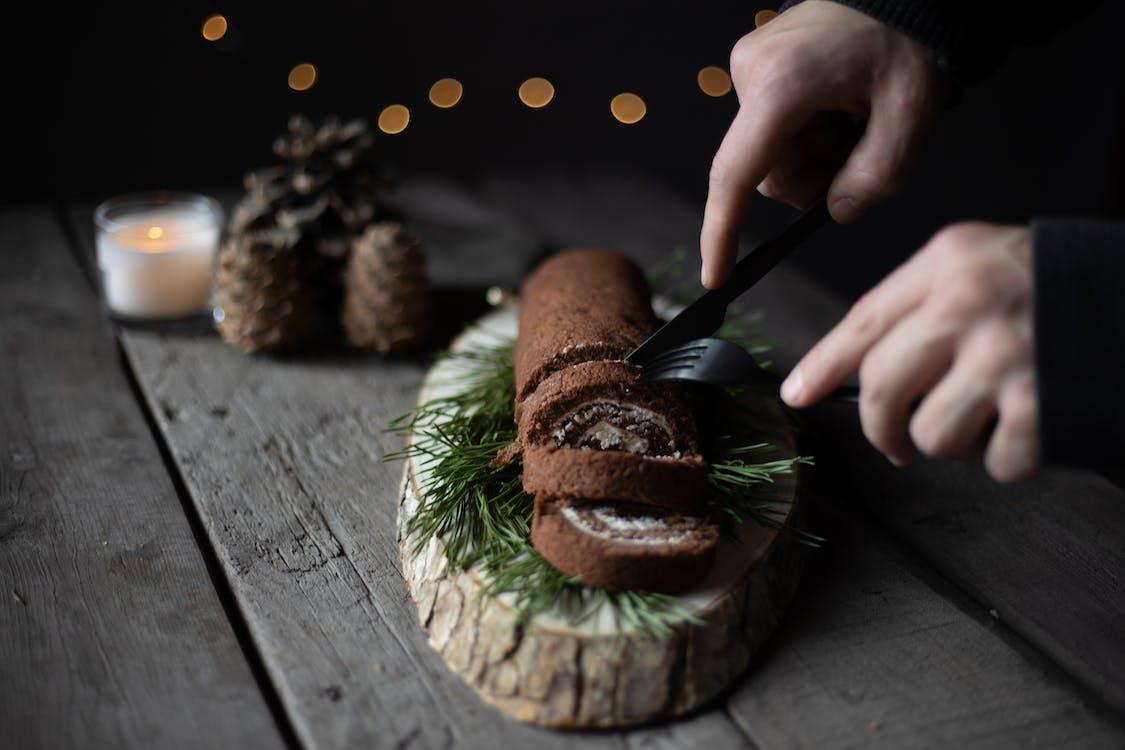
[{"x": 129, "y": 96}]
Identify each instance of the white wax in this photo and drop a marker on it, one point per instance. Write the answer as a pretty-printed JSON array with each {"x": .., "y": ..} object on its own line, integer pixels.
[{"x": 157, "y": 263}]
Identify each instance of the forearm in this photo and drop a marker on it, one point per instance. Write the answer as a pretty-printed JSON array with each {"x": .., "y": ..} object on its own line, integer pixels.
[{"x": 1079, "y": 319}]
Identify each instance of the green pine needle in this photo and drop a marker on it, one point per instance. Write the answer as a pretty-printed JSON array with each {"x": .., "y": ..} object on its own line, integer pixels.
[{"x": 483, "y": 516}]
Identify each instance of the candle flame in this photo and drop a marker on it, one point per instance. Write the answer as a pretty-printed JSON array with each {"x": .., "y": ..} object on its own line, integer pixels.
[{"x": 155, "y": 233}]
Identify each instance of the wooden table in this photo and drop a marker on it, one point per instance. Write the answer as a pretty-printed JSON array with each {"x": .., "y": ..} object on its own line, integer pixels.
[{"x": 197, "y": 547}]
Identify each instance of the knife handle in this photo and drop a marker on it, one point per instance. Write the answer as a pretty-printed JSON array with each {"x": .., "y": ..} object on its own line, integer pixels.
[{"x": 768, "y": 254}]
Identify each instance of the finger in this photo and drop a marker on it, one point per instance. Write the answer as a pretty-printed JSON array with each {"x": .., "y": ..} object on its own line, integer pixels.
[
  {"x": 838, "y": 355},
  {"x": 879, "y": 161},
  {"x": 903, "y": 365},
  {"x": 805, "y": 166},
  {"x": 950, "y": 421},
  {"x": 742, "y": 161},
  {"x": 1012, "y": 453}
]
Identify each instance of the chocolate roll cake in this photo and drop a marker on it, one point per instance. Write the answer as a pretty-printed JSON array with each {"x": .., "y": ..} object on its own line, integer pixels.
[
  {"x": 614, "y": 464},
  {"x": 587, "y": 428},
  {"x": 621, "y": 546}
]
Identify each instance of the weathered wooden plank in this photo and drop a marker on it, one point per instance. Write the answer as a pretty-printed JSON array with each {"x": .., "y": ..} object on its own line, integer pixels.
[
  {"x": 1047, "y": 557},
  {"x": 283, "y": 461},
  {"x": 877, "y": 652},
  {"x": 113, "y": 635}
]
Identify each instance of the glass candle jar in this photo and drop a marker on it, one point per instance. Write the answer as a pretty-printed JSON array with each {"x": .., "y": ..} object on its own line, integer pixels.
[{"x": 155, "y": 252}]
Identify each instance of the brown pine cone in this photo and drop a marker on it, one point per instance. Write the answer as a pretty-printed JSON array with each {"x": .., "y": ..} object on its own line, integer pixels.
[
  {"x": 386, "y": 292},
  {"x": 264, "y": 299}
]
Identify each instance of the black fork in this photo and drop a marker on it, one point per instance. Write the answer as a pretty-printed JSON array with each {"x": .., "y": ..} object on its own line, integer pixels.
[{"x": 720, "y": 362}]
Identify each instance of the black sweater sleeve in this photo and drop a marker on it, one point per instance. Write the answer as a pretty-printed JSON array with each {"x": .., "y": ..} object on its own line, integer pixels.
[
  {"x": 1079, "y": 298},
  {"x": 969, "y": 39}
]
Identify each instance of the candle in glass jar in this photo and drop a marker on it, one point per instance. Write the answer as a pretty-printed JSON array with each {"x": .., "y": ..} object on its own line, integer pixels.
[{"x": 155, "y": 253}]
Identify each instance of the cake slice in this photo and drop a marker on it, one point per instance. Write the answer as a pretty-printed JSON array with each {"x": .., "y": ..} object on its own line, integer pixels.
[
  {"x": 592, "y": 431},
  {"x": 623, "y": 546}
]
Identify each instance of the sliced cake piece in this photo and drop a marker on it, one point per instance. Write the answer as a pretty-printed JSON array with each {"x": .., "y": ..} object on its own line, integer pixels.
[
  {"x": 591, "y": 431},
  {"x": 623, "y": 546}
]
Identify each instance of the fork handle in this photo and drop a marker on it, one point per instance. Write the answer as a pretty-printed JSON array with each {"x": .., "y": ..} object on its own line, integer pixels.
[{"x": 845, "y": 394}]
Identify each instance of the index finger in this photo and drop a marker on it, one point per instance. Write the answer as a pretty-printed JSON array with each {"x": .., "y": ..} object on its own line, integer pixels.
[
  {"x": 740, "y": 164},
  {"x": 839, "y": 354}
]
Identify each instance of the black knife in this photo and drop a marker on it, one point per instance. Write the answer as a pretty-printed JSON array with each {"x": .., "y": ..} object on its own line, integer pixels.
[{"x": 703, "y": 317}]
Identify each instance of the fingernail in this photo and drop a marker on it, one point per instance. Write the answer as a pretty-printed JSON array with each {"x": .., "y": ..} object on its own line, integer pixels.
[
  {"x": 791, "y": 388},
  {"x": 846, "y": 209},
  {"x": 703, "y": 273}
]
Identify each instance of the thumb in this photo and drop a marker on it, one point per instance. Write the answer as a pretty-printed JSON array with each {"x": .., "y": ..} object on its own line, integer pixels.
[{"x": 879, "y": 161}]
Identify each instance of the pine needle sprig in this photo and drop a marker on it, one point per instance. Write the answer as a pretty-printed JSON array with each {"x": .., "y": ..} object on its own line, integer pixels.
[{"x": 536, "y": 587}]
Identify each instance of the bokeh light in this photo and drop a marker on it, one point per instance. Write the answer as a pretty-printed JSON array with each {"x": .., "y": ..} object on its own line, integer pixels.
[
  {"x": 302, "y": 76},
  {"x": 394, "y": 119},
  {"x": 445, "y": 93},
  {"x": 536, "y": 92},
  {"x": 762, "y": 17},
  {"x": 628, "y": 108},
  {"x": 155, "y": 233},
  {"x": 714, "y": 81},
  {"x": 214, "y": 27}
]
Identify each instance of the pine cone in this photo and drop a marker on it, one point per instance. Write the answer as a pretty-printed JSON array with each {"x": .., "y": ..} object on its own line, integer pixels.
[
  {"x": 264, "y": 301},
  {"x": 386, "y": 294},
  {"x": 327, "y": 186}
]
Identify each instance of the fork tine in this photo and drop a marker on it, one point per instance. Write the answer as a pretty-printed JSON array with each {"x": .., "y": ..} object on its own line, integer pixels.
[
  {"x": 653, "y": 375},
  {"x": 679, "y": 359},
  {"x": 691, "y": 352}
]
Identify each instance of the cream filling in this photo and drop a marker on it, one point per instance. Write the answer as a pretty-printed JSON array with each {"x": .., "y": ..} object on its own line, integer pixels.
[
  {"x": 604, "y": 523},
  {"x": 615, "y": 426}
]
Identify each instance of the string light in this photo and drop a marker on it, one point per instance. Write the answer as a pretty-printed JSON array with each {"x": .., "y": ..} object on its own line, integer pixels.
[
  {"x": 445, "y": 93},
  {"x": 762, "y": 17},
  {"x": 714, "y": 81},
  {"x": 628, "y": 108},
  {"x": 536, "y": 92},
  {"x": 394, "y": 119},
  {"x": 302, "y": 76},
  {"x": 214, "y": 28}
]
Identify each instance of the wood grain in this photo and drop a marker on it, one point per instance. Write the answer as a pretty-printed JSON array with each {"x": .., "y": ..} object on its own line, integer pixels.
[
  {"x": 1046, "y": 558},
  {"x": 113, "y": 635},
  {"x": 879, "y": 652}
]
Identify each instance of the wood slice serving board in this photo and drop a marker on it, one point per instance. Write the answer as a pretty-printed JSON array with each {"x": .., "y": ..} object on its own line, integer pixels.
[{"x": 594, "y": 675}]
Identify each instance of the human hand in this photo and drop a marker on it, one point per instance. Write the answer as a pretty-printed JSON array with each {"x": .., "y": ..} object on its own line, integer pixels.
[
  {"x": 794, "y": 77},
  {"x": 952, "y": 324}
]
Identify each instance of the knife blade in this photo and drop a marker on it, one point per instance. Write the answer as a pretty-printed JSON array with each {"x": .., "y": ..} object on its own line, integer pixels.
[{"x": 703, "y": 317}]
